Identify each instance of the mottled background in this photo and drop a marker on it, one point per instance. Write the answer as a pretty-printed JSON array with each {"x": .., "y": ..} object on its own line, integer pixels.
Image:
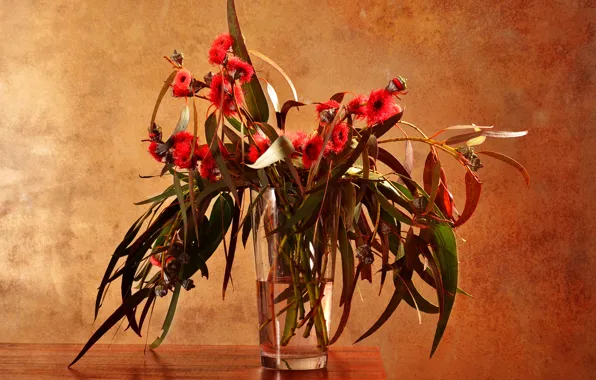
[{"x": 77, "y": 85}]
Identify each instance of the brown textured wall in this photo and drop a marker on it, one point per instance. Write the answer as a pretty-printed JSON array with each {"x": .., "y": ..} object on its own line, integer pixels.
[{"x": 77, "y": 85}]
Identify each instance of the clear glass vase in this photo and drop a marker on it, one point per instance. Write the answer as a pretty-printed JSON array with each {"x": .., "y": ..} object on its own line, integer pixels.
[{"x": 294, "y": 285}]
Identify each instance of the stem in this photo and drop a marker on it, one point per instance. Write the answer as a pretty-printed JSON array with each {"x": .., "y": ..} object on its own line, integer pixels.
[{"x": 438, "y": 144}]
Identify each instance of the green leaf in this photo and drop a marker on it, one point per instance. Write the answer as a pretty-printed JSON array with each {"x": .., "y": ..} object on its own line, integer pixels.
[
  {"x": 392, "y": 210},
  {"x": 280, "y": 149},
  {"x": 213, "y": 141},
  {"x": 417, "y": 301},
  {"x": 396, "y": 298},
  {"x": 253, "y": 92},
  {"x": 347, "y": 263},
  {"x": 169, "y": 318},
  {"x": 349, "y": 203},
  {"x": 233, "y": 241},
  {"x": 346, "y": 309},
  {"x": 168, "y": 192},
  {"x": 181, "y": 201},
  {"x": 309, "y": 206},
  {"x": 445, "y": 248},
  {"x": 127, "y": 307}
]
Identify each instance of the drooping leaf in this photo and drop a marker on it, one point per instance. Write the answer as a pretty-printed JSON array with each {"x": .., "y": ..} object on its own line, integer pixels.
[
  {"x": 279, "y": 69},
  {"x": 510, "y": 161},
  {"x": 347, "y": 264},
  {"x": 213, "y": 141},
  {"x": 346, "y": 309},
  {"x": 168, "y": 192},
  {"x": 150, "y": 300},
  {"x": 162, "y": 92},
  {"x": 253, "y": 92},
  {"x": 392, "y": 210},
  {"x": 169, "y": 318},
  {"x": 417, "y": 301},
  {"x": 127, "y": 306},
  {"x": 444, "y": 246},
  {"x": 396, "y": 298},
  {"x": 287, "y": 106},
  {"x": 181, "y": 200},
  {"x": 473, "y": 188},
  {"x": 118, "y": 253},
  {"x": 233, "y": 240}
]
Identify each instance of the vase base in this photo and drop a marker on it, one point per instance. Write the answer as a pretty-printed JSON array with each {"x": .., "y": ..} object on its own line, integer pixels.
[{"x": 294, "y": 362}]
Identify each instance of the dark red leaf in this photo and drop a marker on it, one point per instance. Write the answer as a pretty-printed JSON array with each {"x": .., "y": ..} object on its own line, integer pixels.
[
  {"x": 473, "y": 188},
  {"x": 510, "y": 161}
]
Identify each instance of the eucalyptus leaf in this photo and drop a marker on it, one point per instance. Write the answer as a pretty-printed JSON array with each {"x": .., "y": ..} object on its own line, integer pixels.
[{"x": 165, "y": 328}]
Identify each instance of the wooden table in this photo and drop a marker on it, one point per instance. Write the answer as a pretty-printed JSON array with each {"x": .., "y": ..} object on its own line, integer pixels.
[{"x": 50, "y": 361}]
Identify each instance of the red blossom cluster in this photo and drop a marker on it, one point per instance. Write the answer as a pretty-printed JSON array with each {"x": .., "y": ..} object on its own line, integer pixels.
[{"x": 225, "y": 94}]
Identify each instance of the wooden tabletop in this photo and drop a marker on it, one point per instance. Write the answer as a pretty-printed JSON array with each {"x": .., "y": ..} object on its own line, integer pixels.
[{"x": 50, "y": 361}]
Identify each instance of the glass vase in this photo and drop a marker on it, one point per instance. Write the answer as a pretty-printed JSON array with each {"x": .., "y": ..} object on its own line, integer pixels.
[{"x": 294, "y": 269}]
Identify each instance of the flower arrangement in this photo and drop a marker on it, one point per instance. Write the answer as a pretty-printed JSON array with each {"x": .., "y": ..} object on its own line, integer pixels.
[{"x": 337, "y": 188}]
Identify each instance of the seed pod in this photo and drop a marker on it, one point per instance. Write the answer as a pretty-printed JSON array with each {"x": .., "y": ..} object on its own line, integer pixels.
[
  {"x": 397, "y": 85},
  {"x": 177, "y": 57},
  {"x": 364, "y": 254},
  {"x": 161, "y": 291},
  {"x": 187, "y": 284}
]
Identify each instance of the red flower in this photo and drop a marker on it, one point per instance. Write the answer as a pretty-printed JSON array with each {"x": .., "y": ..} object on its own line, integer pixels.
[
  {"x": 208, "y": 169},
  {"x": 219, "y": 48},
  {"x": 203, "y": 152},
  {"x": 180, "y": 87},
  {"x": 380, "y": 107},
  {"x": 357, "y": 106},
  {"x": 153, "y": 151},
  {"x": 156, "y": 261},
  {"x": 229, "y": 105},
  {"x": 298, "y": 140},
  {"x": 326, "y": 111},
  {"x": 217, "y": 55},
  {"x": 255, "y": 151},
  {"x": 339, "y": 137},
  {"x": 312, "y": 149},
  {"x": 240, "y": 70},
  {"x": 223, "y": 41},
  {"x": 181, "y": 150}
]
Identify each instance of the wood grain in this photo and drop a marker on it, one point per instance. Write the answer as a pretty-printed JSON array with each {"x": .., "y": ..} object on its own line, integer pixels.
[{"x": 50, "y": 361}]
